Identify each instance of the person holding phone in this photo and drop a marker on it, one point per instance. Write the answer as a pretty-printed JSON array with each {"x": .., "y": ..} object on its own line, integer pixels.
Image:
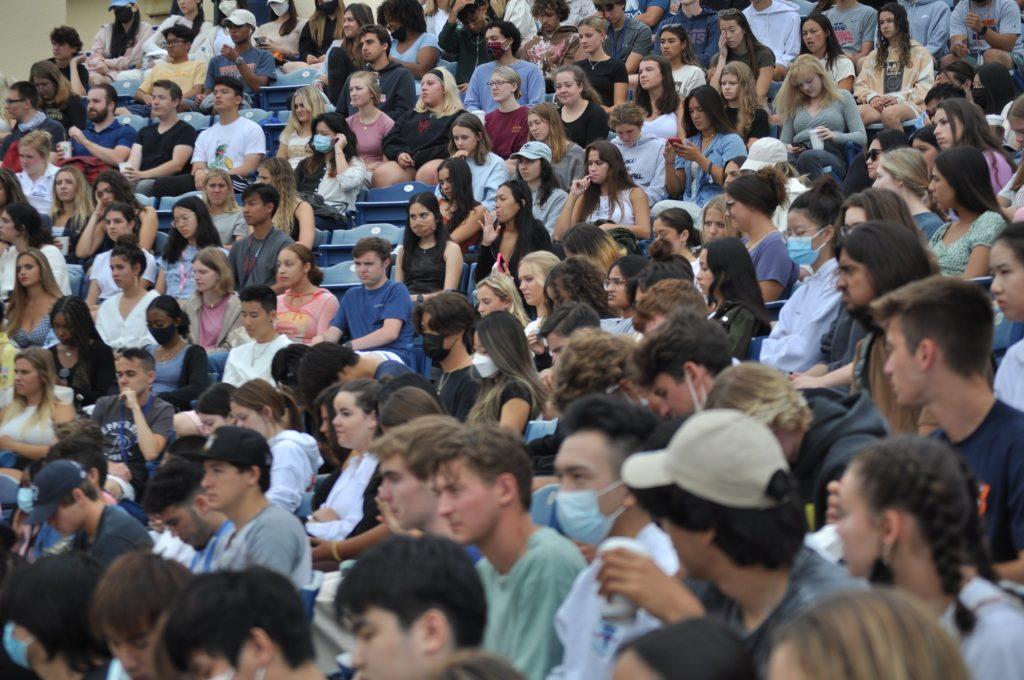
[{"x": 510, "y": 232}]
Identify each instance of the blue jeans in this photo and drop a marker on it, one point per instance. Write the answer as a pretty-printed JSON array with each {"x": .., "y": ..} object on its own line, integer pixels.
[
  {"x": 815, "y": 162},
  {"x": 217, "y": 361}
]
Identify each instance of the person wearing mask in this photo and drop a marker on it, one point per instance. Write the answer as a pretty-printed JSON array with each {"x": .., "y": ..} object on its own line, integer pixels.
[
  {"x": 737, "y": 42},
  {"x": 413, "y": 46},
  {"x": 28, "y": 309},
  {"x": 904, "y": 172},
  {"x": 503, "y": 42},
  {"x": 446, "y": 322},
  {"x": 335, "y": 165},
  {"x": 182, "y": 369},
  {"x": 318, "y": 34},
  {"x": 427, "y": 262},
  {"x": 817, "y": 141},
  {"x": 121, "y": 222},
  {"x": 511, "y": 232},
  {"x": 37, "y": 173},
  {"x": 510, "y": 390},
  {"x": 642, "y": 150},
  {"x": 23, "y": 108},
  {"x": 394, "y": 79},
  {"x": 294, "y": 143},
  {"x": 252, "y": 360},
  {"x": 533, "y": 165},
  {"x": 698, "y": 162},
  {"x": 56, "y": 99},
  {"x": 280, "y": 36},
  {"x": 240, "y": 60},
  {"x": 812, "y": 234},
  {"x": 165, "y": 148},
  {"x": 83, "y": 362},
  {"x": 958, "y": 184},
  {"x": 304, "y": 310},
  {"x": 118, "y": 46}
]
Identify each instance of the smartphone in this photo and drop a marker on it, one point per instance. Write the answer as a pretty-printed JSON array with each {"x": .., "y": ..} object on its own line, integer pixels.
[
  {"x": 260, "y": 40},
  {"x": 500, "y": 265},
  {"x": 675, "y": 141}
]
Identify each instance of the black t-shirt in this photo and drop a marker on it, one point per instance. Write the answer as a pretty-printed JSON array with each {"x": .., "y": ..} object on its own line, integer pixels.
[
  {"x": 591, "y": 126},
  {"x": 759, "y": 127},
  {"x": 603, "y": 75},
  {"x": 158, "y": 149},
  {"x": 71, "y": 115},
  {"x": 516, "y": 390},
  {"x": 83, "y": 73},
  {"x": 458, "y": 392}
]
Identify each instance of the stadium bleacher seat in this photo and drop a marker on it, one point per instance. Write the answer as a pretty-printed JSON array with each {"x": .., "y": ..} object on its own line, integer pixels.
[
  {"x": 76, "y": 274},
  {"x": 339, "y": 276},
  {"x": 542, "y": 507},
  {"x": 774, "y": 308},
  {"x": 389, "y": 204},
  {"x": 255, "y": 115},
  {"x": 168, "y": 202},
  {"x": 535, "y": 429},
  {"x": 137, "y": 122},
  {"x": 146, "y": 200},
  {"x": 279, "y": 95},
  {"x": 160, "y": 242},
  {"x": 754, "y": 351},
  {"x": 309, "y": 592},
  {"x": 198, "y": 121},
  {"x": 125, "y": 86},
  {"x": 343, "y": 240}
]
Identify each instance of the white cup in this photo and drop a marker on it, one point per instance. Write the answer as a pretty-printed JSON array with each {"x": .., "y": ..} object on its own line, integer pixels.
[
  {"x": 121, "y": 167},
  {"x": 619, "y": 609},
  {"x": 816, "y": 142},
  {"x": 64, "y": 150}
]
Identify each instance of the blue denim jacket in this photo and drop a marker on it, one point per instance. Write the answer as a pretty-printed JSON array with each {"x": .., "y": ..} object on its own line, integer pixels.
[{"x": 700, "y": 187}]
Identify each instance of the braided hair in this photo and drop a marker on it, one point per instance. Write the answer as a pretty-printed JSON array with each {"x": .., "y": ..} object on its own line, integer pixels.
[{"x": 925, "y": 478}]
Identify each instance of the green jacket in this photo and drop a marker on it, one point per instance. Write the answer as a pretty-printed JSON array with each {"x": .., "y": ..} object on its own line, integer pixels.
[{"x": 470, "y": 50}]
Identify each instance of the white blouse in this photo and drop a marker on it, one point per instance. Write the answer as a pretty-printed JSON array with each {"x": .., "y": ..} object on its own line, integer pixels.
[
  {"x": 123, "y": 332},
  {"x": 9, "y": 260},
  {"x": 346, "y": 499}
]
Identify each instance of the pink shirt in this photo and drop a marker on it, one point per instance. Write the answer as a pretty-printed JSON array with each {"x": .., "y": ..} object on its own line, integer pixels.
[
  {"x": 305, "y": 322},
  {"x": 211, "y": 319},
  {"x": 369, "y": 137}
]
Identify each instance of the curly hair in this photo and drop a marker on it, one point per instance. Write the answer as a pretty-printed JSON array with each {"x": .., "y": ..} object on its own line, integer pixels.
[
  {"x": 664, "y": 297},
  {"x": 590, "y": 363},
  {"x": 901, "y": 41},
  {"x": 579, "y": 280}
]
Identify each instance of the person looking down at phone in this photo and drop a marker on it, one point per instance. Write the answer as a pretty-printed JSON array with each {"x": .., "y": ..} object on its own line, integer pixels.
[
  {"x": 699, "y": 160},
  {"x": 510, "y": 232},
  {"x": 135, "y": 423}
]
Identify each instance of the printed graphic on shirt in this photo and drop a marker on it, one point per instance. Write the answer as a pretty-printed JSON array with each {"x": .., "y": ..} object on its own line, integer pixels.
[
  {"x": 221, "y": 160},
  {"x": 893, "y": 77},
  {"x": 843, "y": 34},
  {"x": 120, "y": 436}
]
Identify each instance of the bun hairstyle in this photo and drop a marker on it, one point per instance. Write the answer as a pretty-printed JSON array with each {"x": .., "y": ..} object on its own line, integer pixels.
[
  {"x": 127, "y": 247},
  {"x": 763, "y": 191},
  {"x": 823, "y": 203},
  {"x": 661, "y": 251},
  {"x": 305, "y": 255},
  {"x": 665, "y": 263},
  {"x": 169, "y": 306}
]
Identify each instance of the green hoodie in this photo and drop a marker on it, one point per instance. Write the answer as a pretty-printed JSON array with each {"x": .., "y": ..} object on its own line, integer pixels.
[{"x": 470, "y": 49}]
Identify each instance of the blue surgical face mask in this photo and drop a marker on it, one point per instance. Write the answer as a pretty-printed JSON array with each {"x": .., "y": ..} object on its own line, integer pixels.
[
  {"x": 15, "y": 648},
  {"x": 801, "y": 248},
  {"x": 322, "y": 143},
  {"x": 26, "y": 499},
  {"x": 580, "y": 516}
]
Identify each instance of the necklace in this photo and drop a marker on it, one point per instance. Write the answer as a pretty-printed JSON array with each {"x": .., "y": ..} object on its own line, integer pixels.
[{"x": 255, "y": 356}]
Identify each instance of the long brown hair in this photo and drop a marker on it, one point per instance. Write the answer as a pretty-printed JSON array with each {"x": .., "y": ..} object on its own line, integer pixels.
[
  {"x": 618, "y": 179},
  {"x": 557, "y": 140},
  {"x": 746, "y": 94},
  {"x": 19, "y": 296},
  {"x": 588, "y": 91},
  {"x": 42, "y": 361},
  {"x": 318, "y": 22}
]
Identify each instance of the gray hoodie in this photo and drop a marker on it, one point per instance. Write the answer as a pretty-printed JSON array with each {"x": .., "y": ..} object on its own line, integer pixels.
[
  {"x": 646, "y": 165},
  {"x": 296, "y": 458},
  {"x": 929, "y": 24}
]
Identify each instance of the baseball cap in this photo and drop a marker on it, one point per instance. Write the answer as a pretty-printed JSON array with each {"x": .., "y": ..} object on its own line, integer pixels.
[
  {"x": 532, "y": 151},
  {"x": 764, "y": 152},
  {"x": 120, "y": 3},
  {"x": 240, "y": 17},
  {"x": 239, "y": 445},
  {"x": 721, "y": 455},
  {"x": 51, "y": 485}
]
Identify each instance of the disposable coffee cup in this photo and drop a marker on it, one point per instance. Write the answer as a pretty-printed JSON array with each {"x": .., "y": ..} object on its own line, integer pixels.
[
  {"x": 816, "y": 142},
  {"x": 122, "y": 166},
  {"x": 619, "y": 609},
  {"x": 64, "y": 150}
]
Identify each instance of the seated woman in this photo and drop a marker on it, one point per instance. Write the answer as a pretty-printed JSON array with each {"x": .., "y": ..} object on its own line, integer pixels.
[
  {"x": 960, "y": 123},
  {"x": 533, "y": 166},
  {"x": 56, "y": 99},
  {"x": 463, "y": 215},
  {"x": 355, "y": 426},
  {"x": 497, "y": 293},
  {"x": 193, "y": 230},
  {"x": 506, "y": 125},
  {"x": 818, "y": 119},
  {"x": 219, "y": 197},
  {"x": 182, "y": 369},
  {"x": 753, "y": 199},
  {"x": 294, "y": 216},
  {"x": 687, "y": 72},
  {"x": 577, "y": 279},
  {"x": 699, "y": 160},
  {"x": 510, "y": 390},
  {"x": 28, "y": 312},
  {"x": 534, "y": 270},
  {"x": 863, "y": 170},
  {"x": 412, "y": 46},
  {"x": 658, "y": 98},
  {"x": 468, "y": 140},
  {"x": 369, "y": 123},
  {"x": 421, "y": 135},
  {"x": 121, "y": 220},
  {"x": 84, "y": 363},
  {"x": 20, "y": 229},
  {"x": 111, "y": 187},
  {"x": 342, "y": 173},
  {"x": 592, "y": 243},
  {"x": 886, "y": 99},
  {"x": 818, "y": 39},
  {"x": 622, "y": 294},
  {"x": 304, "y": 310},
  {"x": 737, "y": 42},
  {"x": 675, "y": 227},
  {"x": 959, "y": 184},
  {"x": 121, "y": 320},
  {"x": 26, "y": 423},
  {"x": 214, "y": 312},
  {"x": 607, "y": 193},
  {"x": 294, "y": 143},
  {"x": 280, "y": 35},
  {"x": 510, "y": 232},
  {"x": 427, "y": 262},
  {"x": 740, "y": 96},
  {"x": 317, "y": 35},
  {"x": 36, "y": 174},
  {"x": 605, "y": 74},
  {"x": 582, "y": 113},
  {"x": 903, "y": 171},
  {"x": 545, "y": 124},
  {"x": 715, "y": 222},
  {"x": 728, "y": 281},
  {"x": 72, "y": 207}
]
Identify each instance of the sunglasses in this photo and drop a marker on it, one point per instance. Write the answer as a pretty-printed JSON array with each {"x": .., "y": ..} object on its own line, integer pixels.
[
  {"x": 726, "y": 13},
  {"x": 874, "y": 154}
]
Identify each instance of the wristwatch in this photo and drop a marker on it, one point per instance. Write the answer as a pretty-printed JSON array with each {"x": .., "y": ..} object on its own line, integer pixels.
[
  {"x": 984, "y": 29},
  {"x": 239, "y": 61},
  {"x": 419, "y": 298}
]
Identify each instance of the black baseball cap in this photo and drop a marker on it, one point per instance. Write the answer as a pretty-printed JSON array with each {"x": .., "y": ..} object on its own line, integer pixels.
[
  {"x": 51, "y": 485},
  {"x": 239, "y": 445}
]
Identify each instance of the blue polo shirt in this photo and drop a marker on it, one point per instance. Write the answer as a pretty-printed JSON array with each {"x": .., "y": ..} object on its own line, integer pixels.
[
  {"x": 114, "y": 135},
  {"x": 363, "y": 311}
]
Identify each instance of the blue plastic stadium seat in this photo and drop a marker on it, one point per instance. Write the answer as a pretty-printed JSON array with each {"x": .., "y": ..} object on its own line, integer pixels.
[
  {"x": 168, "y": 202},
  {"x": 279, "y": 95},
  {"x": 255, "y": 115},
  {"x": 774, "y": 308},
  {"x": 137, "y": 122},
  {"x": 341, "y": 275},
  {"x": 160, "y": 242},
  {"x": 535, "y": 429},
  {"x": 754, "y": 351},
  {"x": 389, "y": 204},
  {"x": 198, "y": 121},
  {"x": 542, "y": 506},
  {"x": 125, "y": 86},
  {"x": 145, "y": 200},
  {"x": 309, "y": 592},
  {"x": 76, "y": 274}
]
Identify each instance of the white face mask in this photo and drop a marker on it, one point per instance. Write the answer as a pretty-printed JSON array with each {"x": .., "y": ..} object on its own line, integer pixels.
[
  {"x": 227, "y": 6},
  {"x": 484, "y": 365},
  {"x": 698, "y": 403},
  {"x": 278, "y": 8}
]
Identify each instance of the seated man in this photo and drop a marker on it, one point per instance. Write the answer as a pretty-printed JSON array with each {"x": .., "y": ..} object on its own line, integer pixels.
[
  {"x": 136, "y": 423},
  {"x": 377, "y": 315},
  {"x": 23, "y": 109},
  {"x": 233, "y": 144},
  {"x": 71, "y": 504},
  {"x": 484, "y": 491},
  {"x": 395, "y": 79},
  {"x": 175, "y": 496},
  {"x": 253, "y": 359},
  {"x": 241, "y": 61},
  {"x": 164, "y": 148},
  {"x": 446, "y": 321},
  {"x": 986, "y": 33},
  {"x": 327, "y": 363},
  {"x": 254, "y": 258},
  {"x": 105, "y": 137},
  {"x": 189, "y": 76},
  {"x": 246, "y": 624},
  {"x": 418, "y": 595},
  {"x": 236, "y": 461}
]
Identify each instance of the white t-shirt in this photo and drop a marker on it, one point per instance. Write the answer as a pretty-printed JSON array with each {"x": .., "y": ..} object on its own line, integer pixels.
[
  {"x": 842, "y": 68},
  {"x": 121, "y": 332},
  {"x": 100, "y": 273},
  {"x": 687, "y": 78},
  {"x": 252, "y": 360},
  {"x": 346, "y": 499},
  {"x": 1009, "y": 384},
  {"x": 226, "y": 146},
  {"x": 40, "y": 192}
]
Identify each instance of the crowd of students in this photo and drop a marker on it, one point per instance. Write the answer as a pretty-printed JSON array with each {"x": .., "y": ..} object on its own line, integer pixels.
[{"x": 735, "y": 390}]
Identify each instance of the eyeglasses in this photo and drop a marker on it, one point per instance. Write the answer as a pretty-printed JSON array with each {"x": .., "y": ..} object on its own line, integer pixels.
[
  {"x": 175, "y": 43},
  {"x": 496, "y": 83},
  {"x": 13, "y": 101},
  {"x": 726, "y": 13},
  {"x": 873, "y": 154},
  {"x": 614, "y": 282}
]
